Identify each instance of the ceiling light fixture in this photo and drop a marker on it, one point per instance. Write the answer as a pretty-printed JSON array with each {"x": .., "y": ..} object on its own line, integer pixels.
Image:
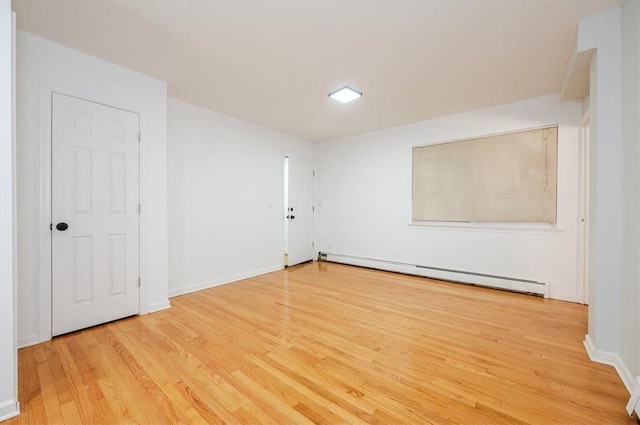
[{"x": 345, "y": 94}]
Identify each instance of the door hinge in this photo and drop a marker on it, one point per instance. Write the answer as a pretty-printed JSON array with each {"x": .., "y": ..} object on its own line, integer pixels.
[
  {"x": 313, "y": 244},
  {"x": 313, "y": 208},
  {"x": 314, "y": 172},
  {"x": 139, "y": 283},
  {"x": 51, "y": 226},
  {"x": 139, "y": 209},
  {"x": 139, "y": 136}
]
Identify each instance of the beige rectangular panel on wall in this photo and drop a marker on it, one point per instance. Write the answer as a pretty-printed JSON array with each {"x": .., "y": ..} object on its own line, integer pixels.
[{"x": 506, "y": 178}]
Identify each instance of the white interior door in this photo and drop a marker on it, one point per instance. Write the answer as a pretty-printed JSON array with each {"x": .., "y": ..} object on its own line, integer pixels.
[
  {"x": 299, "y": 218},
  {"x": 94, "y": 198}
]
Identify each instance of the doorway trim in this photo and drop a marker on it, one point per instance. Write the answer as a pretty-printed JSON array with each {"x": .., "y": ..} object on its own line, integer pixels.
[
  {"x": 44, "y": 272},
  {"x": 285, "y": 199},
  {"x": 582, "y": 272}
]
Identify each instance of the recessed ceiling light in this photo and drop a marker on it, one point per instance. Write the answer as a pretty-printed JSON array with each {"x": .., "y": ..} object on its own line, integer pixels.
[{"x": 345, "y": 94}]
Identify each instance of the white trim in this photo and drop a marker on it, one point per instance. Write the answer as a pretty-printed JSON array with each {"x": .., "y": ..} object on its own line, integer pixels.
[
  {"x": 143, "y": 221},
  {"x": 611, "y": 359},
  {"x": 567, "y": 296},
  {"x": 285, "y": 196},
  {"x": 44, "y": 273},
  {"x": 44, "y": 199},
  {"x": 285, "y": 210},
  {"x": 480, "y": 136},
  {"x": 9, "y": 409},
  {"x": 26, "y": 341},
  {"x": 536, "y": 228},
  {"x": 159, "y": 306},
  {"x": 633, "y": 405},
  {"x": 582, "y": 272},
  {"x": 206, "y": 285},
  {"x": 9, "y": 406}
]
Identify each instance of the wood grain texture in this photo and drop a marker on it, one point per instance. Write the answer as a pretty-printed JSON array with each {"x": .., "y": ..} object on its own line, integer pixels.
[{"x": 328, "y": 344}]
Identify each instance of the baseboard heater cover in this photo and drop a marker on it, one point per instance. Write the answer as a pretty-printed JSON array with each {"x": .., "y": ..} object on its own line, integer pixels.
[{"x": 481, "y": 279}]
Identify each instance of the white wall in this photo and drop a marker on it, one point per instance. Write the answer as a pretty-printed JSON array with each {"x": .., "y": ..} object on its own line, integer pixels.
[
  {"x": 612, "y": 41},
  {"x": 9, "y": 405},
  {"x": 602, "y": 33},
  {"x": 364, "y": 200},
  {"x": 629, "y": 335},
  {"x": 226, "y": 203},
  {"x": 42, "y": 67}
]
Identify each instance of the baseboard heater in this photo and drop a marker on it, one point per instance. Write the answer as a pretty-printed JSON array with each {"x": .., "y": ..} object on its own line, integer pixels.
[{"x": 526, "y": 286}]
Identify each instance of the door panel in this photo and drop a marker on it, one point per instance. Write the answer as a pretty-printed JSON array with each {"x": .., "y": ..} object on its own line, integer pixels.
[
  {"x": 300, "y": 211},
  {"x": 95, "y": 192}
]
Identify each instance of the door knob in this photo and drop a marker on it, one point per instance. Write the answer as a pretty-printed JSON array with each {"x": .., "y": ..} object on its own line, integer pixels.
[
  {"x": 292, "y": 217},
  {"x": 62, "y": 226}
]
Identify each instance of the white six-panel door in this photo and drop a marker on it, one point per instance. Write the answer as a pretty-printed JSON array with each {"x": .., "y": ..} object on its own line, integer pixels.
[
  {"x": 94, "y": 191},
  {"x": 300, "y": 211}
]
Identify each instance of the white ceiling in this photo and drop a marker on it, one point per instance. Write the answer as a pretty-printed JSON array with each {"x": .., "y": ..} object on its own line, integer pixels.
[{"x": 273, "y": 63}]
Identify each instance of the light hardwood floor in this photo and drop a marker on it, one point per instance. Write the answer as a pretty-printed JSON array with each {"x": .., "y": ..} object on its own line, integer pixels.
[{"x": 329, "y": 344}]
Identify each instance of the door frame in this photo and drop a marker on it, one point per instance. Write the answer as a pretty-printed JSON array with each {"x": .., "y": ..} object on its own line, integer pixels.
[
  {"x": 285, "y": 197},
  {"x": 582, "y": 272},
  {"x": 44, "y": 216}
]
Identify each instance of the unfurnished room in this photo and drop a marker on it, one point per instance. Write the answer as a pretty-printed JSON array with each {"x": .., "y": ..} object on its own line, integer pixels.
[{"x": 320, "y": 212}]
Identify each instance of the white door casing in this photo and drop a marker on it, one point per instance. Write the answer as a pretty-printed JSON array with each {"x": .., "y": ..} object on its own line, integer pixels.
[
  {"x": 95, "y": 191},
  {"x": 299, "y": 212},
  {"x": 582, "y": 288}
]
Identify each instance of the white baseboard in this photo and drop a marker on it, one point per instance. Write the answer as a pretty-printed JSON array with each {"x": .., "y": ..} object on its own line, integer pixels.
[
  {"x": 611, "y": 359},
  {"x": 223, "y": 281},
  {"x": 566, "y": 296},
  {"x": 163, "y": 305},
  {"x": 29, "y": 340},
  {"x": 9, "y": 409}
]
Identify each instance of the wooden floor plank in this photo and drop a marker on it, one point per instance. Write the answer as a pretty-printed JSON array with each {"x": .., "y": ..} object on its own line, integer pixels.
[{"x": 328, "y": 344}]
